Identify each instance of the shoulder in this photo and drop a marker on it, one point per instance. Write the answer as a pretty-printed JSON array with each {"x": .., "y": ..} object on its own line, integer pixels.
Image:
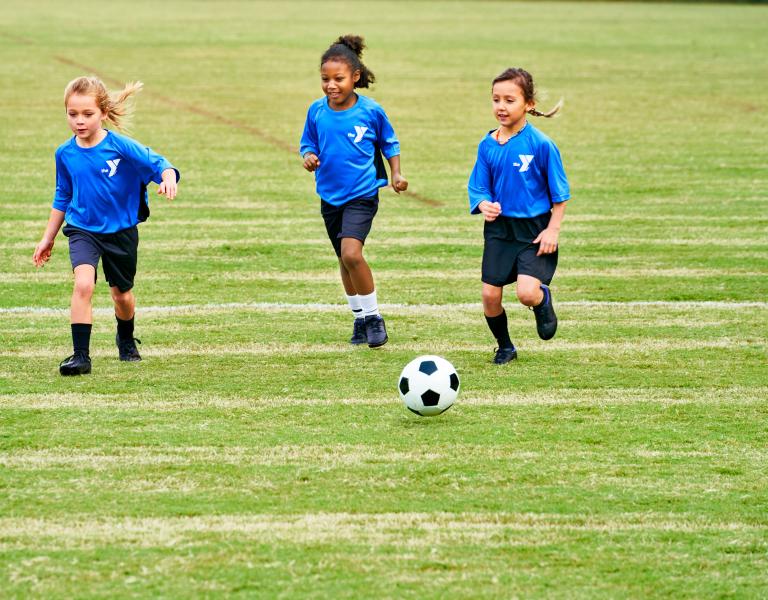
[
  {"x": 316, "y": 106},
  {"x": 120, "y": 140},
  {"x": 63, "y": 148},
  {"x": 486, "y": 140},
  {"x": 370, "y": 105},
  {"x": 539, "y": 138}
]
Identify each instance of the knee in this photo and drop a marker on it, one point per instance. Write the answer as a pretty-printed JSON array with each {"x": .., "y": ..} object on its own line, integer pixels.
[
  {"x": 491, "y": 298},
  {"x": 351, "y": 258},
  {"x": 84, "y": 289},
  {"x": 530, "y": 296},
  {"x": 121, "y": 298}
]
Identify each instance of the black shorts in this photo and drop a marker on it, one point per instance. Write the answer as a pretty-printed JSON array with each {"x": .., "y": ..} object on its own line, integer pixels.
[
  {"x": 118, "y": 253},
  {"x": 350, "y": 220},
  {"x": 509, "y": 251}
]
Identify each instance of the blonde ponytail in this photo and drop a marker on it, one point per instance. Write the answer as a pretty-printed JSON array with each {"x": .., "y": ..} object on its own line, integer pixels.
[
  {"x": 551, "y": 113},
  {"x": 116, "y": 106}
]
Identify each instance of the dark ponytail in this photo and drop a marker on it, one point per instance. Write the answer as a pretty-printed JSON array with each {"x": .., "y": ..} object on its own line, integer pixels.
[
  {"x": 524, "y": 81},
  {"x": 349, "y": 49}
]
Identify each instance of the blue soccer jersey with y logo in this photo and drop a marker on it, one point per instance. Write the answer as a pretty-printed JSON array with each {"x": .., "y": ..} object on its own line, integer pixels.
[
  {"x": 99, "y": 189},
  {"x": 347, "y": 143},
  {"x": 525, "y": 175}
]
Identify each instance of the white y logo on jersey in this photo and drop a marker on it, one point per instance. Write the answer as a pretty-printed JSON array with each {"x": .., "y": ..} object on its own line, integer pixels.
[
  {"x": 360, "y": 132},
  {"x": 112, "y": 166},
  {"x": 526, "y": 159}
]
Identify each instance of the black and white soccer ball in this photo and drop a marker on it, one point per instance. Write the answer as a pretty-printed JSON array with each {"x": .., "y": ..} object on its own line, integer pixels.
[{"x": 428, "y": 385}]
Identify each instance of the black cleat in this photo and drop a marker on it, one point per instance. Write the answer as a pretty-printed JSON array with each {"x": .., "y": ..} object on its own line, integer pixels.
[
  {"x": 546, "y": 320},
  {"x": 77, "y": 364},
  {"x": 375, "y": 331},
  {"x": 358, "y": 332},
  {"x": 504, "y": 355},
  {"x": 128, "y": 350}
]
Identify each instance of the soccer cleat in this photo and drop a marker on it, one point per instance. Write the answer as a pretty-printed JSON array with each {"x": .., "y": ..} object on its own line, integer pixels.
[
  {"x": 127, "y": 349},
  {"x": 546, "y": 320},
  {"x": 77, "y": 364},
  {"x": 358, "y": 332},
  {"x": 375, "y": 331},
  {"x": 504, "y": 355}
]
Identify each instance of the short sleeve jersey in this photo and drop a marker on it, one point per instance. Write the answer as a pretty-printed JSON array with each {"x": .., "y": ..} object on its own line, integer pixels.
[
  {"x": 100, "y": 188},
  {"x": 349, "y": 144},
  {"x": 525, "y": 175}
]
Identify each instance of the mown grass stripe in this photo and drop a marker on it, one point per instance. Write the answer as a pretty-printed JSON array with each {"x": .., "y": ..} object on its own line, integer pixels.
[
  {"x": 394, "y": 307},
  {"x": 148, "y": 401},
  {"x": 638, "y": 345},
  {"x": 418, "y": 529},
  {"x": 327, "y": 455}
]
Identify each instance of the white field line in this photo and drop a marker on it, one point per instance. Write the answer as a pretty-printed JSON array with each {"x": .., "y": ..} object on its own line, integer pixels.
[
  {"x": 95, "y": 459},
  {"x": 397, "y": 308},
  {"x": 194, "y": 401},
  {"x": 398, "y": 274},
  {"x": 395, "y": 221},
  {"x": 402, "y": 529},
  {"x": 617, "y": 348}
]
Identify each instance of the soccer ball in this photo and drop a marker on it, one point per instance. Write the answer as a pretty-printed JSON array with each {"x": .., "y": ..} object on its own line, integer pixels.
[{"x": 428, "y": 385}]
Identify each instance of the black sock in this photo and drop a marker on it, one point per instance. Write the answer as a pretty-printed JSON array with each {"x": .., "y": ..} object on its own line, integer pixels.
[
  {"x": 124, "y": 328},
  {"x": 498, "y": 327},
  {"x": 81, "y": 338}
]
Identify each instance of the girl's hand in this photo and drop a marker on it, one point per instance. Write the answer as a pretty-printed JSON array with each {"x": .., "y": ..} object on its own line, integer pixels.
[
  {"x": 42, "y": 252},
  {"x": 168, "y": 186},
  {"x": 399, "y": 183},
  {"x": 547, "y": 241},
  {"x": 490, "y": 210},
  {"x": 311, "y": 162}
]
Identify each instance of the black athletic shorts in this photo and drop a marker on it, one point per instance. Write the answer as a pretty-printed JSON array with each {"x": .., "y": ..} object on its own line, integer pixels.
[
  {"x": 350, "y": 220},
  {"x": 118, "y": 253},
  {"x": 509, "y": 251}
]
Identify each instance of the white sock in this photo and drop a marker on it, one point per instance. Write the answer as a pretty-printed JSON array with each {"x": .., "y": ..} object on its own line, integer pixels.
[
  {"x": 354, "y": 304},
  {"x": 369, "y": 304}
]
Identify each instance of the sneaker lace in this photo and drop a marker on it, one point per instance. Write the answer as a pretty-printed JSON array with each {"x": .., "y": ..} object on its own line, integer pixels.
[{"x": 128, "y": 344}]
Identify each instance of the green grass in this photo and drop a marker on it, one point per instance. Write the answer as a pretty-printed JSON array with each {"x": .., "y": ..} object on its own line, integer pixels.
[{"x": 253, "y": 453}]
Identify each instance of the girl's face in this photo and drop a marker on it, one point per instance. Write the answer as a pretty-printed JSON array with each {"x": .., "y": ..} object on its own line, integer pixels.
[
  {"x": 85, "y": 119},
  {"x": 509, "y": 105},
  {"x": 338, "y": 82}
]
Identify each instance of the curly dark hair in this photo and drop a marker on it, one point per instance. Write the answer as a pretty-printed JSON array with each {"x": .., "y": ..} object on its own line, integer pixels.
[{"x": 349, "y": 49}]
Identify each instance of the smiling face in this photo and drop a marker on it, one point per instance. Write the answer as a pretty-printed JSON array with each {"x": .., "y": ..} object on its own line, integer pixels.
[
  {"x": 338, "y": 83},
  {"x": 85, "y": 119},
  {"x": 509, "y": 105}
]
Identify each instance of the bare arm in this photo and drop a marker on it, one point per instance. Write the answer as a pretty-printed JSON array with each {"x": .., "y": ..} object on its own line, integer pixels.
[
  {"x": 45, "y": 246},
  {"x": 399, "y": 183},
  {"x": 547, "y": 239}
]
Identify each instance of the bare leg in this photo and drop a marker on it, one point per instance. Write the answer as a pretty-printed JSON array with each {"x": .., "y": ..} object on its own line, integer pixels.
[
  {"x": 492, "y": 300},
  {"x": 125, "y": 303},
  {"x": 529, "y": 290},
  {"x": 355, "y": 272},
  {"x": 85, "y": 283}
]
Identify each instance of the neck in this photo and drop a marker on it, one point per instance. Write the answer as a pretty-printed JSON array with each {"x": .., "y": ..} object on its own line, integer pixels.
[
  {"x": 348, "y": 102},
  {"x": 95, "y": 140},
  {"x": 509, "y": 130}
]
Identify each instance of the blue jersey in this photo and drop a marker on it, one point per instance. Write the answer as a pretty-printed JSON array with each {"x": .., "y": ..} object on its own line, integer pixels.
[
  {"x": 100, "y": 189},
  {"x": 347, "y": 143},
  {"x": 525, "y": 175}
]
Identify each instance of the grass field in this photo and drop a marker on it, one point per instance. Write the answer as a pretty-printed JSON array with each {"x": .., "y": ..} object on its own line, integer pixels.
[{"x": 254, "y": 453}]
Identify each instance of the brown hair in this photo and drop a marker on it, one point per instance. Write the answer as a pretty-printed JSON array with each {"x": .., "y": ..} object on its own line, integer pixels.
[
  {"x": 524, "y": 81},
  {"x": 115, "y": 105},
  {"x": 349, "y": 49}
]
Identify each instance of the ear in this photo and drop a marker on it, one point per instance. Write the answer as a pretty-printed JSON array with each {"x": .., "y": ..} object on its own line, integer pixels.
[{"x": 356, "y": 76}]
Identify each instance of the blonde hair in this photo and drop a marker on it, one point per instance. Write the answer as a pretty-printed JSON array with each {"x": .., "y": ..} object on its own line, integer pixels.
[{"x": 116, "y": 106}]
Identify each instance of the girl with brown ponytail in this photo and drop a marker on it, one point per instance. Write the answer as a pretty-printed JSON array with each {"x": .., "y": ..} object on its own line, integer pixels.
[{"x": 519, "y": 186}]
